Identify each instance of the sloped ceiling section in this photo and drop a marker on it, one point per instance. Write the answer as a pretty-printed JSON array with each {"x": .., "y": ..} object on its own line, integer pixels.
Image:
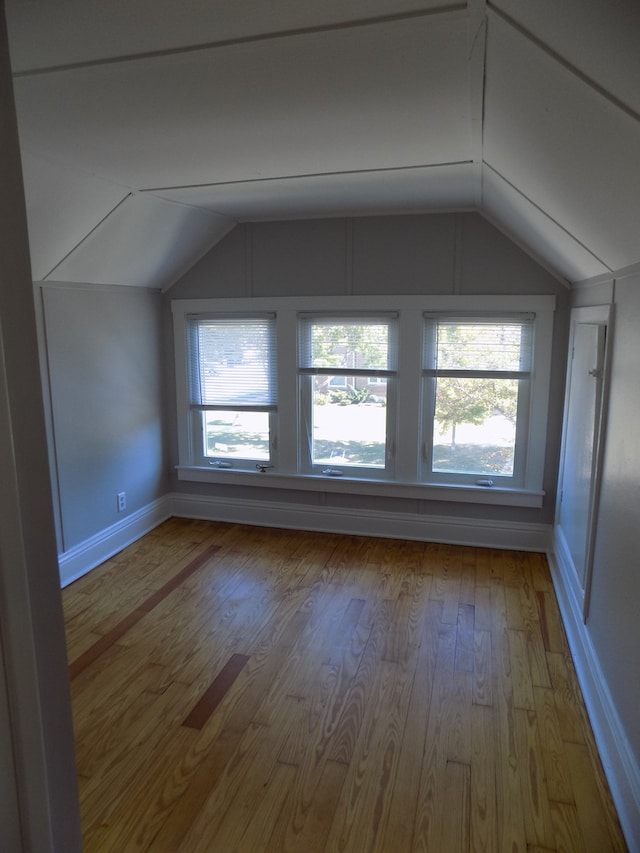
[
  {"x": 150, "y": 129},
  {"x": 62, "y": 204},
  {"x": 143, "y": 242},
  {"x": 570, "y": 150}
]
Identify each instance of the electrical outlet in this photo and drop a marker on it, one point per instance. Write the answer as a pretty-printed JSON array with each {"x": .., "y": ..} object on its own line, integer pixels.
[{"x": 122, "y": 501}]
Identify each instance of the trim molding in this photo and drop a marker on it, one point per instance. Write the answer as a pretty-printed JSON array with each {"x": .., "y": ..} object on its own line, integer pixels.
[
  {"x": 359, "y": 522},
  {"x": 80, "y": 559},
  {"x": 567, "y": 568},
  {"x": 621, "y": 767}
]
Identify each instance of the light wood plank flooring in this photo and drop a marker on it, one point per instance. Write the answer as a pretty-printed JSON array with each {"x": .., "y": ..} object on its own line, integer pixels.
[{"x": 252, "y": 689}]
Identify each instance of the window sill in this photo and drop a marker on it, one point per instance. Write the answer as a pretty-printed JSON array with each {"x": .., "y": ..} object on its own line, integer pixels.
[{"x": 492, "y": 495}]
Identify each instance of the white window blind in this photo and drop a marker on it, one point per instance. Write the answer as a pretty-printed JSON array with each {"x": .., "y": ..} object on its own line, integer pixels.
[
  {"x": 345, "y": 345},
  {"x": 477, "y": 373},
  {"x": 429, "y": 393},
  {"x": 345, "y": 427},
  {"x": 232, "y": 363},
  {"x": 477, "y": 346}
]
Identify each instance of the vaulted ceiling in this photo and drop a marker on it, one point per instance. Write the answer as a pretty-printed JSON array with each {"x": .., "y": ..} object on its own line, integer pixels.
[{"x": 150, "y": 129}]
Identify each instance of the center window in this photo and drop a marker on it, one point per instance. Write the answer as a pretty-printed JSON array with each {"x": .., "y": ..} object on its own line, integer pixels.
[{"x": 347, "y": 369}]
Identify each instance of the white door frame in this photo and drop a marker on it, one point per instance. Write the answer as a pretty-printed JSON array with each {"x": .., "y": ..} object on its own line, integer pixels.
[
  {"x": 39, "y": 793},
  {"x": 600, "y": 315}
]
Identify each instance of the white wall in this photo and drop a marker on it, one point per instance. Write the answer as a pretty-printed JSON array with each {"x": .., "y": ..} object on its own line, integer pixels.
[
  {"x": 40, "y": 804},
  {"x": 614, "y": 623},
  {"x": 613, "y": 627},
  {"x": 605, "y": 646},
  {"x": 417, "y": 254},
  {"x": 103, "y": 359}
]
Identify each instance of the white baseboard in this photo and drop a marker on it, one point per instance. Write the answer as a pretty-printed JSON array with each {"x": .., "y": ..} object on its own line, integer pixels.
[
  {"x": 360, "y": 522},
  {"x": 620, "y": 765},
  {"x": 567, "y": 567},
  {"x": 80, "y": 559}
]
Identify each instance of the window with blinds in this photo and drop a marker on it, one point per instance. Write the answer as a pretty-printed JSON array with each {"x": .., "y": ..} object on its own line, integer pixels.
[
  {"x": 477, "y": 373},
  {"x": 347, "y": 368},
  {"x": 442, "y": 396},
  {"x": 232, "y": 388}
]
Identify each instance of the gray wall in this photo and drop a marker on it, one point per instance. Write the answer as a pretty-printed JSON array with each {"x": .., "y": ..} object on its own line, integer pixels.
[
  {"x": 614, "y": 623},
  {"x": 104, "y": 357},
  {"x": 420, "y": 254}
]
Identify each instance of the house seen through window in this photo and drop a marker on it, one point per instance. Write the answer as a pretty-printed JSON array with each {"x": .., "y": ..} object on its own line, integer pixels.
[
  {"x": 434, "y": 398},
  {"x": 344, "y": 423}
]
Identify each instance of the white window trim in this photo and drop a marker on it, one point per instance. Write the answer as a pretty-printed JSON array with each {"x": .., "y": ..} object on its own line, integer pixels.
[
  {"x": 268, "y": 405},
  {"x": 518, "y": 478},
  {"x": 407, "y": 481},
  {"x": 307, "y": 466}
]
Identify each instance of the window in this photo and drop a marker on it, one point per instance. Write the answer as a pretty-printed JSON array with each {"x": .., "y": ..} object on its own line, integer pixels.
[
  {"x": 344, "y": 428},
  {"x": 430, "y": 398},
  {"x": 232, "y": 390},
  {"x": 477, "y": 376}
]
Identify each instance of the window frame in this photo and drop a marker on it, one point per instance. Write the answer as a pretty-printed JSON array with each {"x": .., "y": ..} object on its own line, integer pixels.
[
  {"x": 408, "y": 481},
  {"x": 307, "y": 375},
  {"x": 430, "y": 375},
  {"x": 199, "y": 408}
]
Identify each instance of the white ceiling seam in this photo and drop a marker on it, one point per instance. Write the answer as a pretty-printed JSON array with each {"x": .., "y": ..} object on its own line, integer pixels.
[
  {"x": 569, "y": 238},
  {"x": 526, "y": 113},
  {"x": 46, "y": 36},
  {"x": 566, "y": 148},
  {"x": 419, "y": 189},
  {"x": 535, "y": 233},
  {"x": 454, "y": 9},
  {"x": 173, "y": 233},
  {"x": 477, "y": 62},
  {"x": 86, "y": 237},
  {"x": 307, "y": 175},
  {"x": 598, "y": 38},
  {"x": 585, "y": 78},
  {"x": 354, "y": 101},
  {"x": 62, "y": 206}
]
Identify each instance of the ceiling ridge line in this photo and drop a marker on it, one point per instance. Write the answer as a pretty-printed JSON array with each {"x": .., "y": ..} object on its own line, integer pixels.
[
  {"x": 445, "y": 9},
  {"x": 545, "y": 214},
  {"x": 568, "y": 66},
  {"x": 477, "y": 60},
  {"x": 381, "y": 170},
  {"x": 188, "y": 205}
]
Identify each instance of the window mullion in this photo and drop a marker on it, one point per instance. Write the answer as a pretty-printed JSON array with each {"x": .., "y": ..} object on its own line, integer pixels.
[
  {"x": 408, "y": 409},
  {"x": 409, "y": 390},
  {"x": 288, "y": 402}
]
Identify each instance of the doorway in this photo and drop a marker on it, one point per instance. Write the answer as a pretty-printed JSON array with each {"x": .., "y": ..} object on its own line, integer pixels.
[{"x": 579, "y": 480}]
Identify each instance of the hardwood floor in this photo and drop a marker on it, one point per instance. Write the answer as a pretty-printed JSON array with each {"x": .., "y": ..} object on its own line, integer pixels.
[{"x": 252, "y": 689}]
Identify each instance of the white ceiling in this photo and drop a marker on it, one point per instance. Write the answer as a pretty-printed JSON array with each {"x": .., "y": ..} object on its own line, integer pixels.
[{"x": 161, "y": 125}]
